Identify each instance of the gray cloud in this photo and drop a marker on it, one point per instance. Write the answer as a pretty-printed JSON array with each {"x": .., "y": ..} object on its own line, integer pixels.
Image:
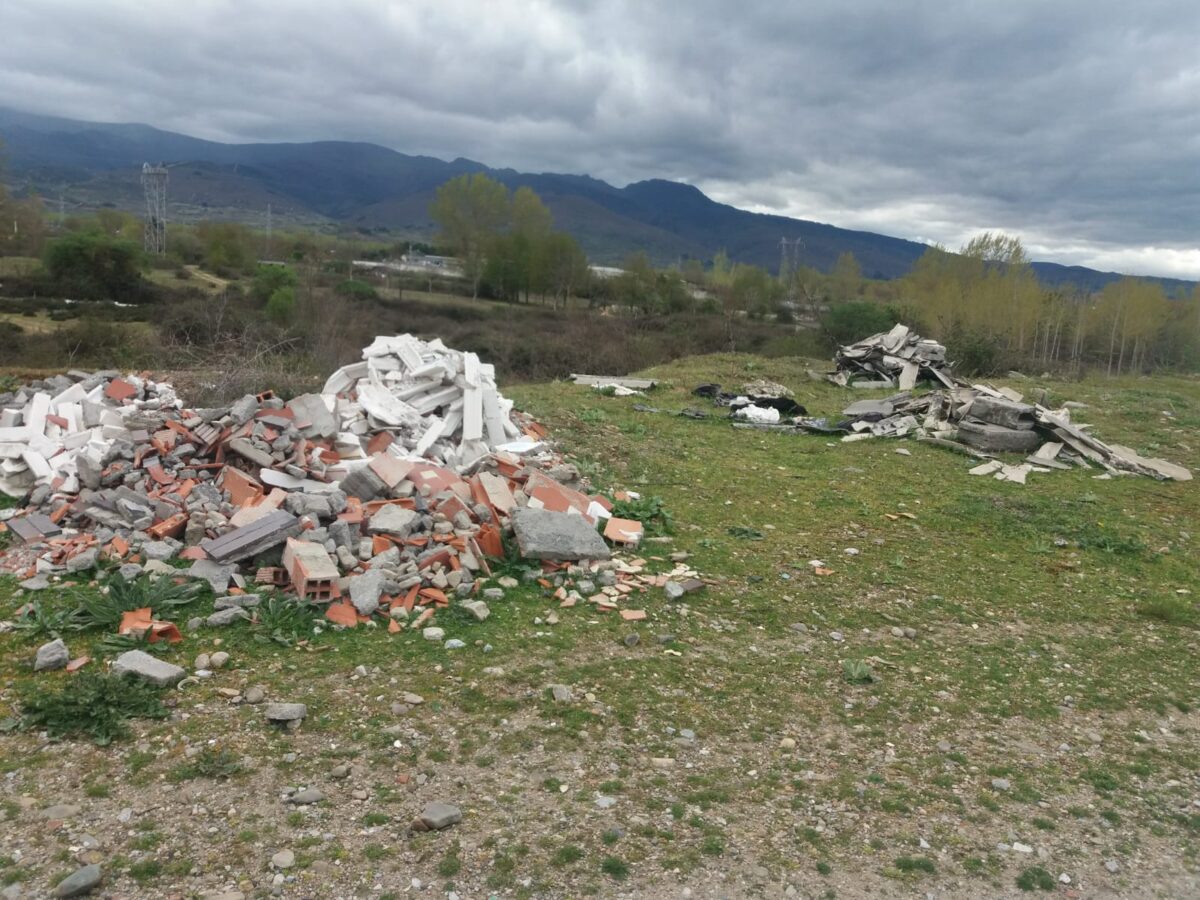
[{"x": 1074, "y": 124}]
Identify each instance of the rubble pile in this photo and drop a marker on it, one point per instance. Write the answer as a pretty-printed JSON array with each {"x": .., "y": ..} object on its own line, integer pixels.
[
  {"x": 894, "y": 359},
  {"x": 983, "y": 420},
  {"x": 976, "y": 419},
  {"x": 384, "y": 494}
]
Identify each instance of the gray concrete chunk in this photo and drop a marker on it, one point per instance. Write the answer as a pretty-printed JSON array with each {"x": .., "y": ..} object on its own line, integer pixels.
[
  {"x": 215, "y": 574},
  {"x": 149, "y": 668},
  {"x": 365, "y": 591},
  {"x": 556, "y": 536},
  {"x": 237, "y": 601},
  {"x": 53, "y": 655},
  {"x": 226, "y": 616},
  {"x": 392, "y": 519}
]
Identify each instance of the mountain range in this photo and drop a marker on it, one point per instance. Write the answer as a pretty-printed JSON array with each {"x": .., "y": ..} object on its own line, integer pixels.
[{"x": 90, "y": 165}]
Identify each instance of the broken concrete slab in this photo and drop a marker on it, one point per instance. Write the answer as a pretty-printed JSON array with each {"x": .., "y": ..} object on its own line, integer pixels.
[
  {"x": 242, "y": 543},
  {"x": 557, "y": 536},
  {"x": 996, "y": 438},
  {"x": 1004, "y": 413},
  {"x": 226, "y": 616},
  {"x": 218, "y": 576},
  {"x": 149, "y": 668}
]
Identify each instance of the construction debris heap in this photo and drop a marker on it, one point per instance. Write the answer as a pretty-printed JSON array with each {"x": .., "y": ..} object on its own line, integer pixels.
[
  {"x": 386, "y": 491},
  {"x": 977, "y": 419}
]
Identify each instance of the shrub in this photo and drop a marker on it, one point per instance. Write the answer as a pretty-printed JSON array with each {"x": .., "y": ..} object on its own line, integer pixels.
[
  {"x": 281, "y": 305},
  {"x": 845, "y": 323},
  {"x": 356, "y": 290},
  {"x": 92, "y": 265},
  {"x": 91, "y": 704}
]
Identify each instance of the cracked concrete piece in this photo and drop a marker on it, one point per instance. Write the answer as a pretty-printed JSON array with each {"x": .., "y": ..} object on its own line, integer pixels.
[
  {"x": 555, "y": 536},
  {"x": 149, "y": 668}
]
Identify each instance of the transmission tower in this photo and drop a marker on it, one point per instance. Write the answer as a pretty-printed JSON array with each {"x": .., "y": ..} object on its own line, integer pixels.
[
  {"x": 789, "y": 256},
  {"x": 154, "y": 183}
]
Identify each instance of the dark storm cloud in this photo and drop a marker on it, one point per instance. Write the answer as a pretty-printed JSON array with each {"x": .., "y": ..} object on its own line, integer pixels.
[{"x": 1075, "y": 124}]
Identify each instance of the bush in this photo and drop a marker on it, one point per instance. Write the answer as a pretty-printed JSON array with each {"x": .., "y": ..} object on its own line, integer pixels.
[
  {"x": 281, "y": 305},
  {"x": 268, "y": 280},
  {"x": 356, "y": 290},
  {"x": 845, "y": 323},
  {"x": 93, "y": 266},
  {"x": 91, "y": 704}
]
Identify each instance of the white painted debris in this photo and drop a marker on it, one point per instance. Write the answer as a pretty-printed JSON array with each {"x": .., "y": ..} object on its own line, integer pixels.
[{"x": 757, "y": 414}]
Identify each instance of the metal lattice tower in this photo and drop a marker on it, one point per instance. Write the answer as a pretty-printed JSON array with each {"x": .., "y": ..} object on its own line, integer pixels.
[{"x": 154, "y": 183}]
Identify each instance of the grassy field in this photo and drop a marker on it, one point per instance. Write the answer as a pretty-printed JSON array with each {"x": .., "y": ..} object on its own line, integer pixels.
[{"x": 994, "y": 687}]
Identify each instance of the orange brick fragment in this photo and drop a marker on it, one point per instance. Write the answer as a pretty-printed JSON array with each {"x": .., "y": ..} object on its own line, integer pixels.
[
  {"x": 633, "y": 615},
  {"x": 172, "y": 527},
  {"x": 342, "y": 613},
  {"x": 393, "y": 626},
  {"x": 119, "y": 390}
]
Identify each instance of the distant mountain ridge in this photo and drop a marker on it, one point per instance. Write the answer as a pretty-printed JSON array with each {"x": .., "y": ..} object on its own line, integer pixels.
[{"x": 365, "y": 185}]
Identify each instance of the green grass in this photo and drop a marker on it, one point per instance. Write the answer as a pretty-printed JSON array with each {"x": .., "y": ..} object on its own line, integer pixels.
[{"x": 1021, "y": 597}]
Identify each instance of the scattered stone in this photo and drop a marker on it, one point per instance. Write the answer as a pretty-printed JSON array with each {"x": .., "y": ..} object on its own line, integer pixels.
[
  {"x": 787, "y": 743},
  {"x": 436, "y": 816},
  {"x": 306, "y": 797},
  {"x": 454, "y": 644},
  {"x": 674, "y": 590},
  {"x": 476, "y": 608},
  {"x": 219, "y": 659},
  {"x": 339, "y": 771},
  {"x": 433, "y": 633},
  {"x": 60, "y": 811},
  {"x": 284, "y": 859},
  {"x": 285, "y": 712},
  {"x": 80, "y": 882},
  {"x": 53, "y": 655},
  {"x": 1112, "y": 866},
  {"x": 255, "y": 695},
  {"x": 632, "y": 639},
  {"x": 561, "y": 693},
  {"x": 1001, "y": 784}
]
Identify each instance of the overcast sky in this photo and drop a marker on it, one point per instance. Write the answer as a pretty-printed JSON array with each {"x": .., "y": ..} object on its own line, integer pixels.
[{"x": 1072, "y": 123}]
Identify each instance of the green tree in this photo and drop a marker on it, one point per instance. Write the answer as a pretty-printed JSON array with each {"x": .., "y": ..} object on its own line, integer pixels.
[
  {"x": 530, "y": 215},
  {"x": 846, "y": 277},
  {"x": 470, "y": 212},
  {"x": 95, "y": 266},
  {"x": 228, "y": 246},
  {"x": 268, "y": 279},
  {"x": 282, "y": 304},
  {"x": 561, "y": 265}
]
